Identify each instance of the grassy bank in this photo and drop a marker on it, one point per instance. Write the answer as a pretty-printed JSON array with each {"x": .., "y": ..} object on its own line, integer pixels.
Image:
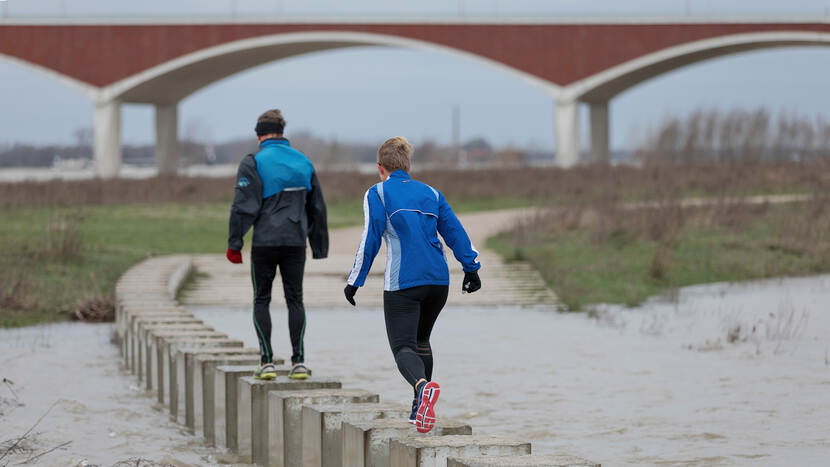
[
  {"x": 55, "y": 258},
  {"x": 58, "y": 258},
  {"x": 64, "y": 243},
  {"x": 614, "y": 255}
]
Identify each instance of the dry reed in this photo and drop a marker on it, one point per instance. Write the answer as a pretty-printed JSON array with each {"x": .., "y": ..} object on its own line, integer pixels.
[{"x": 538, "y": 184}]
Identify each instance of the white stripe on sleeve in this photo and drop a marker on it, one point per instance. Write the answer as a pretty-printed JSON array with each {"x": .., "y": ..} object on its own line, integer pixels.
[{"x": 358, "y": 259}]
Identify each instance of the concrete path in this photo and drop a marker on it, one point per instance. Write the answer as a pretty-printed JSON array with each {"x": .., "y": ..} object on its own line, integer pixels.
[{"x": 503, "y": 284}]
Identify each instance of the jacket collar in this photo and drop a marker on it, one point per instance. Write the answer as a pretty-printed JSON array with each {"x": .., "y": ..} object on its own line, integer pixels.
[
  {"x": 400, "y": 174},
  {"x": 274, "y": 142}
]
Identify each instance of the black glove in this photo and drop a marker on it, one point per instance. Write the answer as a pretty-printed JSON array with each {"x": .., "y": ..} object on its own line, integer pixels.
[
  {"x": 349, "y": 292},
  {"x": 471, "y": 282}
]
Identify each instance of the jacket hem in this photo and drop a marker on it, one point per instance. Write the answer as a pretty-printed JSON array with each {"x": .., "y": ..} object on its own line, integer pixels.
[
  {"x": 278, "y": 244},
  {"x": 417, "y": 284}
]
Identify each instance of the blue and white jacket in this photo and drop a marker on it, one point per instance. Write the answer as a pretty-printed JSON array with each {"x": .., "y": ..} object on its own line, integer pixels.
[{"x": 409, "y": 215}]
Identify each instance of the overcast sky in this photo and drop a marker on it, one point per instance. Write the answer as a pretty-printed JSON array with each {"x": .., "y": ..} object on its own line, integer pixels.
[{"x": 368, "y": 94}]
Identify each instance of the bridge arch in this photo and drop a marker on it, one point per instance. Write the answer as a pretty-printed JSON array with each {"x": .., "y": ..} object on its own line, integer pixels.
[
  {"x": 607, "y": 84},
  {"x": 598, "y": 89},
  {"x": 84, "y": 88},
  {"x": 174, "y": 80},
  {"x": 166, "y": 84}
]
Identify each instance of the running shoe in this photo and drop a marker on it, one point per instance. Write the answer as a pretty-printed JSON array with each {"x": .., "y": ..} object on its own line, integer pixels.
[
  {"x": 266, "y": 371},
  {"x": 414, "y": 411},
  {"x": 298, "y": 371},
  {"x": 427, "y": 398}
]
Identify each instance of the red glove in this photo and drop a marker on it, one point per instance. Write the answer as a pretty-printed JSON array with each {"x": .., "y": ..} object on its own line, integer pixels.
[{"x": 234, "y": 256}]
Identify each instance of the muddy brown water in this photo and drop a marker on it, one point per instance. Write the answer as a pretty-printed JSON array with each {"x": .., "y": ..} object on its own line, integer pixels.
[
  {"x": 95, "y": 406},
  {"x": 684, "y": 382},
  {"x": 720, "y": 375}
]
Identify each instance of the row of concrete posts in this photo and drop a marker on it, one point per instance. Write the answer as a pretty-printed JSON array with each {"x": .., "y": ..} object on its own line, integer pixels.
[{"x": 204, "y": 379}]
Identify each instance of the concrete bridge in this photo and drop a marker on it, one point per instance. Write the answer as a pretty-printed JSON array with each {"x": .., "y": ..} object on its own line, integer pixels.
[{"x": 575, "y": 61}]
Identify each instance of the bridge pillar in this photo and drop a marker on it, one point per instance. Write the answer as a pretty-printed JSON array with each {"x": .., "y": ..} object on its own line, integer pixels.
[
  {"x": 107, "y": 138},
  {"x": 599, "y": 132},
  {"x": 567, "y": 133},
  {"x": 167, "y": 138}
]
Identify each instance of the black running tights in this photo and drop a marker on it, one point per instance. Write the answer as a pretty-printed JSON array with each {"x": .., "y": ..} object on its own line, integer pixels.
[
  {"x": 264, "y": 263},
  {"x": 410, "y": 315}
]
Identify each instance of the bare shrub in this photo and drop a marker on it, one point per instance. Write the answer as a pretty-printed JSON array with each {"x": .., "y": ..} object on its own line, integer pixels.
[
  {"x": 140, "y": 462},
  {"x": 659, "y": 268},
  {"x": 63, "y": 240},
  {"x": 95, "y": 310},
  {"x": 707, "y": 136},
  {"x": 14, "y": 293},
  {"x": 547, "y": 185},
  {"x": 613, "y": 206},
  {"x": 787, "y": 324},
  {"x": 802, "y": 230}
]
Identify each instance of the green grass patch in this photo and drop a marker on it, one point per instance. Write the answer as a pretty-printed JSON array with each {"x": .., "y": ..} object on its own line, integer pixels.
[
  {"x": 52, "y": 258},
  {"x": 55, "y": 257},
  {"x": 617, "y": 267}
]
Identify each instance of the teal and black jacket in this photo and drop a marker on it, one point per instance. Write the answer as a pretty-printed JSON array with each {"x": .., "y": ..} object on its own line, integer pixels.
[{"x": 278, "y": 193}]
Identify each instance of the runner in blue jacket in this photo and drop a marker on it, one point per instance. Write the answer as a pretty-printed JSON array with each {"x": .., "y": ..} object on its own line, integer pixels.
[{"x": 409, "y": 215}]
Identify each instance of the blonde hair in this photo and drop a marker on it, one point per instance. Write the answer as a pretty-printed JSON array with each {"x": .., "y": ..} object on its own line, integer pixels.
[{"x": 395, "y": 154}]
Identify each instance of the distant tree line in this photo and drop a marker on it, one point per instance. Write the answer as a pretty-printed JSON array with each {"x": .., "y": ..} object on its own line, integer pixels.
[
  {"x": 328, "y": 154},
  {"x": 706, "y": 136}
]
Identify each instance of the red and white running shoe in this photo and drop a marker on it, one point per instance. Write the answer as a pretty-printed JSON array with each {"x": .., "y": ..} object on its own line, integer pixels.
[{"x": 427, "y": 398}]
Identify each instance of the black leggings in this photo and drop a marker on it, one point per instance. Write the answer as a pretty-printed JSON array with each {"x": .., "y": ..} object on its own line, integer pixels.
[
  {"x": 264, "y": 262},
  {"x": 410, "y": 315}
]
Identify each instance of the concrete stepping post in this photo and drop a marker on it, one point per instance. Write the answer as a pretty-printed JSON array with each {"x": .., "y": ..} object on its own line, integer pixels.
[
  {"x": 147, "y": 343},
  {"x": 129, "y": 331},
  {"x": 126, "y": 314},
  {"x": 176, "y": 364},
  {"x": 193, "y": 378},
  {"x": 545, "y": 460},
  {"x": 249, "y": 416},
  {"x": 281, "y": 443},
  {"x": 323, "y": 428},
  {"x": 193, "y": 327},
  {"x": 226, "y": 379},
  {"x": 130, "y": 337},
  {"x": 433, "y": 451},
  {"x": 232, "y": 374},
  {"x": 138, "y": 344},
  {"x": 205, "y": 413},
  {"x": 368, "y": 443},
  {"x": 224, "y": 396},
  {"x": 163, "y": 339},
  {"x": 138, "y": 365}
]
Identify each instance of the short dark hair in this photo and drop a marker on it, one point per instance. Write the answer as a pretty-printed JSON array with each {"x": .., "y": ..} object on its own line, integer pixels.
[{"x": 270, "y": 122}]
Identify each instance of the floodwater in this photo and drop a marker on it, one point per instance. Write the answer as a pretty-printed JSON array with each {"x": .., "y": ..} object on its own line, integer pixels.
[
  {"x": 69, "y": 374},
  {"x": 22, "y": 174},
  {"x": 718, "y": 375}
]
